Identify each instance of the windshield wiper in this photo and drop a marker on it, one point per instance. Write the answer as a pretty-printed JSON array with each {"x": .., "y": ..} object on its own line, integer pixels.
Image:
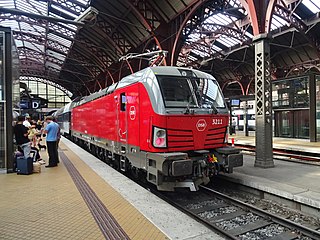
[
  {"x": 188, "y": 109},
  {"x": 214, "y": 109}
]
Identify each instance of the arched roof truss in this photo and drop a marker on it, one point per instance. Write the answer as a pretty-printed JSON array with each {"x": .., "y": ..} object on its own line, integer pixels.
[
  {"x": 78, "y": 43},
  {"x": 218, "y": 37}
]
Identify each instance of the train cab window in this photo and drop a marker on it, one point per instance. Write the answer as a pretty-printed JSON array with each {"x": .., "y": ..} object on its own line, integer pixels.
[
  {"x": 123, "y": 101},
  {"x": 190, "y": 92}
]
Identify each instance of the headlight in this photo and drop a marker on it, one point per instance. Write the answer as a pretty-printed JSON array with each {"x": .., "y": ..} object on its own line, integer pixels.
[{"x": 159, "y": 137}]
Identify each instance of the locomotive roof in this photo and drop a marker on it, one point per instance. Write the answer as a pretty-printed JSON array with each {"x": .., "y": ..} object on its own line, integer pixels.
[
  {"x": 139, "y": 77},
  {"x": 180, "y": 71}
]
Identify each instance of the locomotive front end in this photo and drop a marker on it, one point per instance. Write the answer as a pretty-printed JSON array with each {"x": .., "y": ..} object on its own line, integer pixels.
[{"x": 189, "y": 132}]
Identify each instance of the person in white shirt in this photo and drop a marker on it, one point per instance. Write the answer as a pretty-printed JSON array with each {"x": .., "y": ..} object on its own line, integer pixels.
[{"x": 26, "y": 122}]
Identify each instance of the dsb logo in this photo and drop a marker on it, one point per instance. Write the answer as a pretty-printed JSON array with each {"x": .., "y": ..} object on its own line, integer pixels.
[
  {"x": 201, "y": 125},
  {"x": 132, "y": 112}
]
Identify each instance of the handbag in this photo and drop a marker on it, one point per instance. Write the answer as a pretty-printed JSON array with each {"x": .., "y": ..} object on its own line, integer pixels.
[{"x": 36, "y": 167}]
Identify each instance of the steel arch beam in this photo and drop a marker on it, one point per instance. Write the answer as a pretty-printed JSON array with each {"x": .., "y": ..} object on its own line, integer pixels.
[
  {"x": 147, "y": 26},
  {"x": 182, "y": 25}
]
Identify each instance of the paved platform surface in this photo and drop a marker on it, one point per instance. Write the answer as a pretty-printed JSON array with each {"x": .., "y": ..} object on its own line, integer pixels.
[
  {"x": 289, "y": 180},
  {"x": 66, "y": 202},
  {"x": 279, "y": 143}
]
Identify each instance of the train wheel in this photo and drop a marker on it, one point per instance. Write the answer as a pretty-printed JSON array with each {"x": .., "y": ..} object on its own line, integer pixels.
[
  {"x": 135, "y": 173},
  {"x": 115, "y": 163}
]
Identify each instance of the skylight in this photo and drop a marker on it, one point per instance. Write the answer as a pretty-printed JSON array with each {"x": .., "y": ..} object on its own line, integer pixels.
[
  {"x": 212, "y": 31},
  {"x": 38, "y": 41},
  {"x": 277, "y": 22},
  {"x": 201, "y": 53},
  {"x": 312, "y": 5},
  {"x": 64, "y": 11}
]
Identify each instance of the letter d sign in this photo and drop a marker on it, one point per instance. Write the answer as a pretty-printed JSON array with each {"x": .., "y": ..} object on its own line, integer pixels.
[{"x": 35, "y": 104}]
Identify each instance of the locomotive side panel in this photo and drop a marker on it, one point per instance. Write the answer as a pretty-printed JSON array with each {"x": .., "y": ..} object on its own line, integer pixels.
[
  {"x": 79, "y": 118},
  {"x": 127, "y": 115},
  {"x": 104, "y": 117},
  {"x": 95, "y": 118},
  {"x": 148, "y": 120}
]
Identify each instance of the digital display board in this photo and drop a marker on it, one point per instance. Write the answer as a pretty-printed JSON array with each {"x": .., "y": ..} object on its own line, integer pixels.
[
  {"x": 24, "y": 104},
  {"x": 235, "y": 102}
]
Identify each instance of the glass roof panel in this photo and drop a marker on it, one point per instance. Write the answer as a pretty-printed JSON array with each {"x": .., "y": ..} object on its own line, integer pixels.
[
  {"x": 193, "y": 37},
  {"x": 10, "y": 23},
  {"x": 19, "y": 43},
  {"x": 56, "y": 55},
  {"x": 53, "y": 65},
  {"x": 31, "y": 35},
  {"x": 220, "y": 19},
  {"x": 277, "y": 22},
  {"x": 7, "y": 3},
  {"x": 216, "y": 48},
  {"x": 312, "y": 5},
  {"x": 64, "y": 11},
  {"x": 84, "y": 2},
  {"x": 192, "y": 58},
  {"x": 210, "y": 26},
  {"x": 61, "y": 40},
  {"x": 34, "y": 46},
  {"x": 200, "y": 53},
  {"x": 32, "y": 6}
]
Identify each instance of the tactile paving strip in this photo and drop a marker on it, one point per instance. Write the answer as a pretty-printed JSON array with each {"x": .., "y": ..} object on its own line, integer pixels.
[{"x": 106, "y": 222}]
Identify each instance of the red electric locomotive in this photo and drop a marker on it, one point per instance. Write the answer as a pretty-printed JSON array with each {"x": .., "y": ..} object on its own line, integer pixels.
[{"x": 168, "y": 124}]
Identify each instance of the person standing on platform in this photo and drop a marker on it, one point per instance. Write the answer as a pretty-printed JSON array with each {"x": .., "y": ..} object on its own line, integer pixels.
[
  {"x": 26, "y": 122},
  {"x": 21, "y": 135},
  {"x": 51, "y": 131}
]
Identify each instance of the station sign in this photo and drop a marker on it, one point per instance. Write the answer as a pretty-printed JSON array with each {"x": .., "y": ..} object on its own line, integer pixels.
[{"x": 30, "y": 104}]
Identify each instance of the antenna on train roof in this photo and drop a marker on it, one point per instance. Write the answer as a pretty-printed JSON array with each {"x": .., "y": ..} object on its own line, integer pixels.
[{"x": 155, "y": 58}]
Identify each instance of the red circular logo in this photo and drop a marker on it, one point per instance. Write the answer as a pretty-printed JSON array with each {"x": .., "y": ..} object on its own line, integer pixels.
[
  {"x": 132, "y": 112},
  {"x": 201, "y": 125}
]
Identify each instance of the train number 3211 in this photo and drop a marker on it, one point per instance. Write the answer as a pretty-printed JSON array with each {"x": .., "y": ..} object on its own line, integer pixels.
[{"x": 216, "y": 121}]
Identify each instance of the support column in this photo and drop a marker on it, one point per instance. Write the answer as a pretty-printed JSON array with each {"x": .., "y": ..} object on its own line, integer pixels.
[
  {"x": 313, "y": 108},
  {"x": 263, "y": 90}
]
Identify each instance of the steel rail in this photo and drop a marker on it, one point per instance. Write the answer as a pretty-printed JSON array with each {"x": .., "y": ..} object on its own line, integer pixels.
[
  {"x": 277, "y": 219},
  {"x": 188, "y": 212},
  {"x": 259, "y": 212}
]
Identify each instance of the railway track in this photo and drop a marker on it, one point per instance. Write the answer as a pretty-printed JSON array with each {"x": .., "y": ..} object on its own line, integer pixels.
[{"x": 236, "y": 219}]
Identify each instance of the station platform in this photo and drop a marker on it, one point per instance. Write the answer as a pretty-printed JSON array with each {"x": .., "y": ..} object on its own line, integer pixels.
[
  {"x": 294, "y": 144},
  {"x": 293, "y": 181},
  {"x": 83, "y": 198}
]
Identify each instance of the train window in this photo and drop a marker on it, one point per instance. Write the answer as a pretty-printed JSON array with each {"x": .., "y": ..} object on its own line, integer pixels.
[
  {"x": 209, "y": 92},
  {"x": 176, "y": 91},
  {"x": 190, "y": 92},
  {"x": 123, "y": 101}
]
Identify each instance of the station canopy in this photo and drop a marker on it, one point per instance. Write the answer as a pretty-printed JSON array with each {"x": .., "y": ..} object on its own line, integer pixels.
[{"x": 78, "y": 43}]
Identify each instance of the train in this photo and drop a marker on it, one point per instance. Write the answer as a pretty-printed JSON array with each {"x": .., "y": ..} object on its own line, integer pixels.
[
  {"x": 166, "y": 125},
  {"x": 238, "y": 117}
]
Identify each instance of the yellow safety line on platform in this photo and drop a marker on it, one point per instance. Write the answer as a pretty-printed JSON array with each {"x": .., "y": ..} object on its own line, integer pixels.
[{"x": 136, "y": 225}]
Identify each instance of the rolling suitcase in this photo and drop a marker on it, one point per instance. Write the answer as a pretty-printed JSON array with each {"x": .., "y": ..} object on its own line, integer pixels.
[{"x": 24, "y": 166}]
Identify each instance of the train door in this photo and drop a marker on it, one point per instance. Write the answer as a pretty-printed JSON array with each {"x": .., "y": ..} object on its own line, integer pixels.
[{"x": 122, "y": 123}]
